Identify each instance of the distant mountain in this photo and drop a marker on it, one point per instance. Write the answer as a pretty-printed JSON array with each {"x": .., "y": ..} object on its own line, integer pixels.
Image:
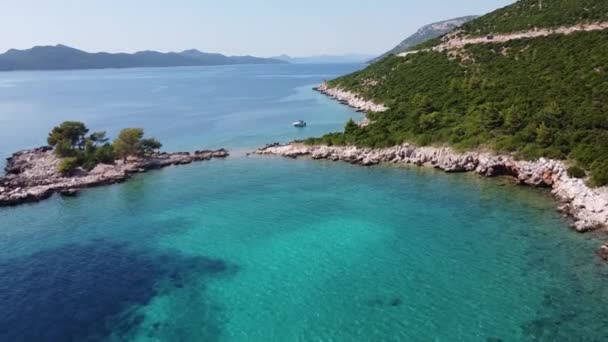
[
  {"x": 61, "y": 57},
  {"x": 425, "y": 33},
  {"x": 325, "y": 59}
]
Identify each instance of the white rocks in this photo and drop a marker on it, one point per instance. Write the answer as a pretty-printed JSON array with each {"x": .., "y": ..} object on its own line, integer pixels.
[
  {"x": 351, "y": 99},
  {"x": 586, "y": 206}
]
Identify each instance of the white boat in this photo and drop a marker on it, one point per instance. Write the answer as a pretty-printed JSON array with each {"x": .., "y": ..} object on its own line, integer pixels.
[{"x": 299, "y": 123}]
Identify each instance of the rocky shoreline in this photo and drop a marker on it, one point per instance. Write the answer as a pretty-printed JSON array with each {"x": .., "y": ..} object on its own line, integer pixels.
[
  {"x": 587, "y": 207},
  {"x": 32, "y": 176},
  {"x": 350, "y": 99}
]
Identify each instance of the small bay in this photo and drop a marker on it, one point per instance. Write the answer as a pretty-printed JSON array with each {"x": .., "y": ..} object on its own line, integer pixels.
[{"x": 270, "y": 249}]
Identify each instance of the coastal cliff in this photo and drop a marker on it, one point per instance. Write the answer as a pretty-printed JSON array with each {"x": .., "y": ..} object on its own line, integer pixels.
[
  {"x": 32, "y": 175},
  {"x": 586, "y": 206}
]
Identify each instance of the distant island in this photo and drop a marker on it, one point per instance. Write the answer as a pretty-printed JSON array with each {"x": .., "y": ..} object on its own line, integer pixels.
[
  {"x": 61, "y": 57},
  {"x": 326, "y": 59}
]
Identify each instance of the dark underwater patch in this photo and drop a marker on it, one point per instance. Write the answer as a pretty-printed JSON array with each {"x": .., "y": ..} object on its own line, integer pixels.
[
  {"x": 78, "y": 291},
  {"x": 396, "y": 301},
  {"x": 384, "y": 302}
]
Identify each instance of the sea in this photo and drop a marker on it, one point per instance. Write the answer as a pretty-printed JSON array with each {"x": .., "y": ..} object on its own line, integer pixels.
[{"x": 255, "y": 248}]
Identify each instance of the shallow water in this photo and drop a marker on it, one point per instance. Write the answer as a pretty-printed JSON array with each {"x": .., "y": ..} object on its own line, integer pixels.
[{"x": 268, "y": 249}]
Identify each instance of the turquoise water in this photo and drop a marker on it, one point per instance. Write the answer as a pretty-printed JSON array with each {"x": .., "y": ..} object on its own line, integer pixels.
[{"x": 269, "y": 249}]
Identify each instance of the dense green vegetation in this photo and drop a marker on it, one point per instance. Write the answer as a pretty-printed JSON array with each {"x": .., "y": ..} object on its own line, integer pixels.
[
  {"x": 77, "y": 149},
  {"x": 540, "y": 97},
  {"x": 528, "y": 14}
]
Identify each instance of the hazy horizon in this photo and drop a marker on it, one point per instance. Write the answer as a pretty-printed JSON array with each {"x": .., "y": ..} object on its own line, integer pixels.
[
  {"x": 235, "y": 27},
  {"x": 354, "y": 54}
]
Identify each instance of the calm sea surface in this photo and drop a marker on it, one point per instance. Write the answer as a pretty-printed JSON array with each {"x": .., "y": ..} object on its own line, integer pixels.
[{"x": 268, "y": 249}]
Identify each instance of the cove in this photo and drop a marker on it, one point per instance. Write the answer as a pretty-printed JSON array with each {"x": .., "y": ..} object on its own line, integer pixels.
[{"x": 267, "y": 249}]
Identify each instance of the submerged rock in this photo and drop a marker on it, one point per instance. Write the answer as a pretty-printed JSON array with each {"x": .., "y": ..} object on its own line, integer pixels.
[
  {"x": 69, "y": 192},
  {"x": 396, "y": 302},
  {"x": 603, "y": 252}
]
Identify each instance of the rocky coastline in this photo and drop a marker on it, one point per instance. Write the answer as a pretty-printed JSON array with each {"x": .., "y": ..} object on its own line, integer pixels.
[
  {"x": 588, "y": 207},
  {"x": 350, "y": 99},
  {"x": 32, "y": 176}
]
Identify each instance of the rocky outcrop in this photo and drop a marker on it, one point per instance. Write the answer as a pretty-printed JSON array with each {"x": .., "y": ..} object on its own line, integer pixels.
[
  {"x": 350, "y": 99},
  {"x": 31, "y": 175},
  {"x": 586, "y": 206},
  {"x": 425, "y": 33}
]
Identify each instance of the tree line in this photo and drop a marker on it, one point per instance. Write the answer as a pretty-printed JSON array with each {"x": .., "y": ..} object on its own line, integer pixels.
[{"x": 77, "y": 148}]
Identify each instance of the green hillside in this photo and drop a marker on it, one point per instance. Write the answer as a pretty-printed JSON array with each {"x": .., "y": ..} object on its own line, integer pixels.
[
  {"x": 537, "y": 97},
  {"x": 525, "y": 15},
  {"x": 528, "y": 14}
]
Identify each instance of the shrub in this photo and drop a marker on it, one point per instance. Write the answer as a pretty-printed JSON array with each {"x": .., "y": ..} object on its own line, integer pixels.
[
  {"x": 350, "y": 127},
  {"x": 148, "y": 146},
  {"x": 63, "y": 149},
  {"x": 68, "y": 165},
  {"x": 599, "y": 173},
  {"x": 576, "y": 172},
  {"x": 105, "y": 154}
]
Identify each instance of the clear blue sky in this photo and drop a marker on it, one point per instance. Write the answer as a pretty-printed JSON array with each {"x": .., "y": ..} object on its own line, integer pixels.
[{"x": 259, "y": 27}]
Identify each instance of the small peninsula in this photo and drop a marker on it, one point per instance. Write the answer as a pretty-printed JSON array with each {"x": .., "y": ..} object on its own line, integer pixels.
[{"x": 74, "y": 160}]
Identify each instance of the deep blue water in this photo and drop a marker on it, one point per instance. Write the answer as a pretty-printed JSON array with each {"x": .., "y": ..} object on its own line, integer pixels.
[{"x": 268, "y": 249}]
